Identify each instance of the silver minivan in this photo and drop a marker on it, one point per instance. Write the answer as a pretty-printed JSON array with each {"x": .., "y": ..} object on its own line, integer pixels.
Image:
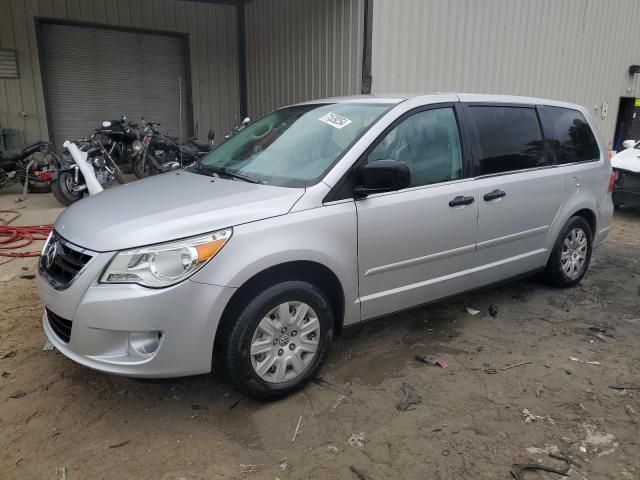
[{"x": 316, "y": 217}]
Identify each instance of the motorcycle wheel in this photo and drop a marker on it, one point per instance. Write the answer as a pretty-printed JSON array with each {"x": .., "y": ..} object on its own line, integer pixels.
[
  {"x": 39, "y": 186},
  {"x": 143, "y": 168},
  {"x": 61, "y": 189}
]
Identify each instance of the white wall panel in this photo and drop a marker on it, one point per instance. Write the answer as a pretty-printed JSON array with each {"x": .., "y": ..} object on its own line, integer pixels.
[{"x": 573, "y": 50}]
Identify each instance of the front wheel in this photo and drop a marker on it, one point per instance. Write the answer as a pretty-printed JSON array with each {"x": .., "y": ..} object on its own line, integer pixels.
[
  {"x": 62, "y": 189},
  {"x": 143, "y": 168},
  {"x": 571, "y": 255},
  {"x": 279, "y": 341}
]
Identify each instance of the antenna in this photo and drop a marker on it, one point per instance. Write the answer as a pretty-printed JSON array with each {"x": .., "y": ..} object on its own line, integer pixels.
[{"x": 180, "y": 119}]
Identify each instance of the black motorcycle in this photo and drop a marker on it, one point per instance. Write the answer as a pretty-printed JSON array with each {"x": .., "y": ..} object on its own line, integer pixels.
[
  {"x": 68, "y": 183},
  {"x": 120, "y": 138},
  {"x": 163, "y": 153},
  {"x": 34, "y": 164}
]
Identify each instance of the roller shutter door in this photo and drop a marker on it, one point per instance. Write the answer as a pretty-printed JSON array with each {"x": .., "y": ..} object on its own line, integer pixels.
[{"x": 95, "y": 74}]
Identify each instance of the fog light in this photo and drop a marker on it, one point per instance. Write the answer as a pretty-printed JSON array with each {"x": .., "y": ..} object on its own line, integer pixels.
[{"x": 144, "y": 343}]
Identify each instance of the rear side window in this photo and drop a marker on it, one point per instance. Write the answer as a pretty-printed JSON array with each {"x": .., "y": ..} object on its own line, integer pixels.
[
  {"x": 507, "y": 138},
  {"x": 568, "y": 135}
]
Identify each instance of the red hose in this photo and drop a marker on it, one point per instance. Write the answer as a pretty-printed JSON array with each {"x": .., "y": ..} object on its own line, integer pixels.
[{"x": 12, "y": 237}]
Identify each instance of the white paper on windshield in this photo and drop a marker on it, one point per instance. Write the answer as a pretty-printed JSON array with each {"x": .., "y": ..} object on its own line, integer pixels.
[{"x": 335, "y": 120}]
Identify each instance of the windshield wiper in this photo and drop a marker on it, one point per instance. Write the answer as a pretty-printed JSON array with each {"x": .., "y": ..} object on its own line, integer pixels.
[{"x": 225, "y": 172}]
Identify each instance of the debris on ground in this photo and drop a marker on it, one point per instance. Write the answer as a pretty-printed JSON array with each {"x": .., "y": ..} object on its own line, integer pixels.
[
  {"x": 601, "y": 442},
  {"x": 490, "y": 371},
  {"x": 625, "y": 387},
  {"x": 357, "y": 439},
  {"x": 529, "y": 417},
  {"x": 493, "y": 310},
  {"x": 332, "y": 449},
  {"x": 283, "y": 466},
  {"x": 434, "y": 360},
  {"x": 410, "y": 397},
  {"x": 472, "y": 311},
  {"x": 248, "y": 469},
  {"x": 48, "y": 346},
  {"x": 519, "y": 468},
  {"x": 61, "y": 473},
  {"x": 515, "y": 365},
  {"x": 197, "y": 406},
  {"x": 119, "y": 444},
  {"x": 295, "y": 434},
  {"x": 8, "y": 354},
  {"x": 234, "y": 405},
  {"x": 360, "y": 474},
  {"x": 18, "y": 394},
  {"x": 574, "y": 359}
]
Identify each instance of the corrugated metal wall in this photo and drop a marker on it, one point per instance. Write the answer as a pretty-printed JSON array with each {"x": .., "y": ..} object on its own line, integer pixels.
[
  {"x": 302, "y": 49},
  {"x": 212, "y": 41},
  {"x": 572, "y": 50}
]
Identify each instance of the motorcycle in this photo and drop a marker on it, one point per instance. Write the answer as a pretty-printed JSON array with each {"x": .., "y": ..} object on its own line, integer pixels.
[
  {"x": 32, "y": 165},
  {"x": 69, "y": 185},
  {"x": 161, "y": 153},
  {"x": 119, "y": 138}
]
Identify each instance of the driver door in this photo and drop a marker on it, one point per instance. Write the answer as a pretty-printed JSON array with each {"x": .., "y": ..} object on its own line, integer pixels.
[{"x": 417, "y": 245}]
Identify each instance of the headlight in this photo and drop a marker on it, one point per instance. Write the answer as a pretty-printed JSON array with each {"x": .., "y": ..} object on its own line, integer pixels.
[
  {"x": 137, "y": 146},
  {"x": 165, "y": 264}
]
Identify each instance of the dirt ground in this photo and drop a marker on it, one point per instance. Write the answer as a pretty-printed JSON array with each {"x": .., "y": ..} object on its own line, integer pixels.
[{"x": 75, "y": 423}]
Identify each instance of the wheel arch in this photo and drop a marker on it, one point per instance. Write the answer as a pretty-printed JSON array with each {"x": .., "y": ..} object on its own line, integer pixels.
[
  {"x": 589, "y": 215},
  {"x": 313, "y": 272}
]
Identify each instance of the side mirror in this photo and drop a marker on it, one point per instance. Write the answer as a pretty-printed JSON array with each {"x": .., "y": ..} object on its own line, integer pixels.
[
  {"x": 383, "y": 176},
  {"x": 628, "y": 143},
  {"x": 211, "y": 135},
  {"x": 106, "y": 124}
]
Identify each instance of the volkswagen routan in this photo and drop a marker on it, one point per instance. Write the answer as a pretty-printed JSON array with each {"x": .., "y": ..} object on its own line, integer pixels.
[{"x": 316, "y": 217}]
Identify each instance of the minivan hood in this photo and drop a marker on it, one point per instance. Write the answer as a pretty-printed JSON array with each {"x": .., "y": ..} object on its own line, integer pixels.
[{"x": 167, "y": 207}]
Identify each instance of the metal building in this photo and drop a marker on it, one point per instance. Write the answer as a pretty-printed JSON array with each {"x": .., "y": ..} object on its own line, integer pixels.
[{"x": 198, "y": 64}]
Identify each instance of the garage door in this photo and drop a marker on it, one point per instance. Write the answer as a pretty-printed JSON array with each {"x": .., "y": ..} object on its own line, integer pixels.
[{"x": 96, "y": 74}]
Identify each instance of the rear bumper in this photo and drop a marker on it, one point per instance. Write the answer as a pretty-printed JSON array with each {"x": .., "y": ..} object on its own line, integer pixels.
[
  {"x": 187, "y": 315},
  {"x": 630, "y": 198}
]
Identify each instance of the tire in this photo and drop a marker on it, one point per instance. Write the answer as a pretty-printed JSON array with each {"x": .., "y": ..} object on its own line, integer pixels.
[
  {"x": 143, "y": 168},
  {"x": 559, "y": 269},
  {"x": 60, "y": 189},
  {"x": 278, "y": 365},
  {"x": 39, "y": 187}
]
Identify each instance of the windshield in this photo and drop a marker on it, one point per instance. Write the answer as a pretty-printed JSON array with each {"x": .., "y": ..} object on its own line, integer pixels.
[{"x": 293, "y": 146}]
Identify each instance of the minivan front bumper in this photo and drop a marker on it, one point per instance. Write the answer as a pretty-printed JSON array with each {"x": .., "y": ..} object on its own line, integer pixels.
[{"x": 101, "y": 322}]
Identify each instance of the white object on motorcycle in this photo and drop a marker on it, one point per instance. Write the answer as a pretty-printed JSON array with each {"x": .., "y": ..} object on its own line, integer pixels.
[{"x": 87, "y": 172}]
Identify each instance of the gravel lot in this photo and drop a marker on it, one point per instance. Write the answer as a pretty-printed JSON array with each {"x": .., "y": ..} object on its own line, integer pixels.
[{"x": 470, "y": 423}]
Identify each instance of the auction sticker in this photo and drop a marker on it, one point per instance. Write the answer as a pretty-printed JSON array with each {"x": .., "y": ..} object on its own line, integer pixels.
[{"x": 335, "y": 120}]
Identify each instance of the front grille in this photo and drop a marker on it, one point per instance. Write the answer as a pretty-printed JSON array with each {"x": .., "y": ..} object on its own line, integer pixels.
[
  {"x": 62, "y": 261},
  {"x": 60, "y": 326}
]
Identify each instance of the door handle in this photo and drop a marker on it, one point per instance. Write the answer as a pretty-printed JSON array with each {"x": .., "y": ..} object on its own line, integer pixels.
[
  {"x": 494, "y": 195},
  {"x": 460, "y": 200}
]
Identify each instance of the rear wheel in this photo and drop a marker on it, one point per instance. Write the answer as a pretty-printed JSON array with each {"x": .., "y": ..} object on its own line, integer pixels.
[
  {"x": 62, "y": 189},
  {"x": 279, "y": 340},
  {"x": 571, "y": 255},
  {"x": 39, "y": 186}
]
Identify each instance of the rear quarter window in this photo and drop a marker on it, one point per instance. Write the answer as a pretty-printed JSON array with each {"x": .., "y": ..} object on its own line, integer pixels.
[
  {"x": 569, "y": 136},
  {"x": 506, "y": 138}
]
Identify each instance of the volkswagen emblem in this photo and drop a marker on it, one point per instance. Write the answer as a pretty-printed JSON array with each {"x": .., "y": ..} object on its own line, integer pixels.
[{"x": 50, "y": 254}]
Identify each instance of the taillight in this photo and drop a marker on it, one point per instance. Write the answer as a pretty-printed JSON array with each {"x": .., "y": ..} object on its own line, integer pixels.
[{"x": 612, "y": 181}]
